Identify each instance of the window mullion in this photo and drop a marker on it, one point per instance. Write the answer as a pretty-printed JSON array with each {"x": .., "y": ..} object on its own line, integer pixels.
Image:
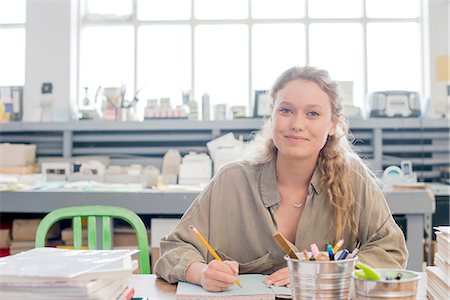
[
  {"x": 364, "y": 54},
  {"x": 306, "y": 23},
  {"x": 193, "y": 25},
  {"x": 250, "y": 63},
  {"x": 136, "y": 43}
]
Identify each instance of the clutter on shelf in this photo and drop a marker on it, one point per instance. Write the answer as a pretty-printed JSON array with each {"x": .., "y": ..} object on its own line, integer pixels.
[{"x": 96, "y": 173}]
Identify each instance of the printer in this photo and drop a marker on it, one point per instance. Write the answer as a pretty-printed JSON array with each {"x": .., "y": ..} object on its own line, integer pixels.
[{"x": 394, "y": 104}]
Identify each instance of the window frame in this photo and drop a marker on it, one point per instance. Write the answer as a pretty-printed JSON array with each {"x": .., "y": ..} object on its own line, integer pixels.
[
  {"x": 18, "y": 26},
  {"x": 86, "y": 21}
]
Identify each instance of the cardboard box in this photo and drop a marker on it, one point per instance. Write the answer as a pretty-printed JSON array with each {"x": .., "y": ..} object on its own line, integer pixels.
[
  {"x": 31, "y": 169},
  {"x": 17, "y": 155},
  {"x": 5, "y": 238},
  {"x": 126, "y": 236},
  {"x": 20, "y": 246},
  {"x": 67, "y": 236},
  {"x": 25, "y": 230}
]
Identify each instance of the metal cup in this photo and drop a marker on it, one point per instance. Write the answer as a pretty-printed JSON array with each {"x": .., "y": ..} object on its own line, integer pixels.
[
  {"x": 403, "y": 288},
  {"x": 320, "y": 279}
]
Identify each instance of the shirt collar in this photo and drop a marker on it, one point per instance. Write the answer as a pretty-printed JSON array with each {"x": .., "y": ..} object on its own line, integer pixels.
[
  {"x": 269, "y": 189},
  {"x": 315, "y": 180}
]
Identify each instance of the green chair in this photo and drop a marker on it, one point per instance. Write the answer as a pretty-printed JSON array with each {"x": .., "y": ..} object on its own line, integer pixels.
[{"x": 91, "y": 212}]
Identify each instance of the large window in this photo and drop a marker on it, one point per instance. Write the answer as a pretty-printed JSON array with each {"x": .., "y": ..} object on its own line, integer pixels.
[
  {"x": 12, "y": 42},
  {"x": 230, "y": 48}
]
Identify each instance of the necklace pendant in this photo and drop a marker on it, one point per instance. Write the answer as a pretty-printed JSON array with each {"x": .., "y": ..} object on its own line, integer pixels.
[{"x": 297, "y": 205}]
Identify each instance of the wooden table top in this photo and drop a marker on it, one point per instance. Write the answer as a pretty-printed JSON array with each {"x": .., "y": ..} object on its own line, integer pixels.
[{"x": 157, "y": 289}]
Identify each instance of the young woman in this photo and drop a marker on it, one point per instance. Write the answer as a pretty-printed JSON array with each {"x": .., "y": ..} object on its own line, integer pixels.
[{"x": 305, "y": 181}]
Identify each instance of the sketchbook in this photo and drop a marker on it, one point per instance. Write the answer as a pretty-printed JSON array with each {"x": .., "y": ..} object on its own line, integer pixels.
[
  {"x": 253, "y": 287},
  {"x": 49, "y": 264},
  {"x": 59, "y": 274}
]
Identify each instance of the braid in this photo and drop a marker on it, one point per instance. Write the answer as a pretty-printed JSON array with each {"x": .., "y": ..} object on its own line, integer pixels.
[{"x": 332, "y": 163}]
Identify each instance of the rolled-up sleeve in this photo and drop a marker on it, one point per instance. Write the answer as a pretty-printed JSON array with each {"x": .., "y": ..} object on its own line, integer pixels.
[
  {"x": 382, "y": 241},
  {"x": 181, "y": 247}
]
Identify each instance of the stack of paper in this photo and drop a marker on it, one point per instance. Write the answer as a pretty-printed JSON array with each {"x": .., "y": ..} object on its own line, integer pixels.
[
  {"x": 253, "y": 287},
  {"x": 438, "y": 282},
  {"x": 50, "y": 273}
]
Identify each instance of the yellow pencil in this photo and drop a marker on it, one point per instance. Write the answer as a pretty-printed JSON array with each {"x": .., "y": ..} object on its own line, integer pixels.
[{"x": 210, "y": 249}]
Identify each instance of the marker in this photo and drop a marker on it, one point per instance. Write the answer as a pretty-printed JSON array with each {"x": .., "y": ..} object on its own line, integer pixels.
[
  {"x": 338, "y": 245},
  {"x": 343, "y": 254},
  {"x": 330, "y": 252},
  {"x": 354, "y": 253},
  {"x": 305, "y": 254},
  {"x": 314, "y": 251}
]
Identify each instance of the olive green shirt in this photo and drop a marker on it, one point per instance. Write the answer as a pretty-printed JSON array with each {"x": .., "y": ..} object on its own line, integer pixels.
[{"x": 235, "y": 214}]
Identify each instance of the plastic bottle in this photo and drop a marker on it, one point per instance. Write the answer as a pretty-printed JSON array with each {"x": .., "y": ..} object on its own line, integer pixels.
[{"x": 206, "y": 111}]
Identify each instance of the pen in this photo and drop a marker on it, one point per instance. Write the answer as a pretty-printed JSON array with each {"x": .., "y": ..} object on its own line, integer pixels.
[
  {"x": 338, "y": 245},
  {"x": 330, "y": 252},
  {"x": 343, "y": 255},
  {"x": 354, "y": 253},
  {"x": 210, "y": 249}
]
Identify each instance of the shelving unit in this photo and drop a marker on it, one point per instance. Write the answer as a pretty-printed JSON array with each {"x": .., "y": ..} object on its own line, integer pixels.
[{"x": 382, "y": 141}]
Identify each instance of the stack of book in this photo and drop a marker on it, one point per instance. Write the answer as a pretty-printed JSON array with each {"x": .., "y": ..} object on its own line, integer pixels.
[
  {"x": 438, "y": 282},
  {"x": 50, "y": 273}
]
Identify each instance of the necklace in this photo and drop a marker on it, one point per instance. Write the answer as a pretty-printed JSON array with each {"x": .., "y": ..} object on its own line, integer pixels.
[{"x": 297, "y": 204}]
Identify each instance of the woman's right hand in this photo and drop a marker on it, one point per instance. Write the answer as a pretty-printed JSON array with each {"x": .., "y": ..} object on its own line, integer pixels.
[{"x": 214, "y": 277}]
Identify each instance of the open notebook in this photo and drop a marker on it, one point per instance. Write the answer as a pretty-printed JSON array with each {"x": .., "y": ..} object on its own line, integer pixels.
[{"x": 253, "y": 288}]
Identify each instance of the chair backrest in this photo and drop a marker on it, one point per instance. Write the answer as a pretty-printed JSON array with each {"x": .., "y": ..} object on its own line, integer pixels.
[{"x": 91, "y": 213}]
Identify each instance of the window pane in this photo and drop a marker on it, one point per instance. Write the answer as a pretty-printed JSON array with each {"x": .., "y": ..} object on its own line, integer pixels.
[
  {"x": 164, "y": 9},
  {"x": 12, "y": 57},
  {"x": 337, "y": 48},
  {"x": 221, "y": 9},
  {"x": 164, "y": 61},
  {"x": 335, "y": 9},
  {"x": 115, "y": 7},
  {"x": 270, "y": 59},
  {"x": 106, "y": 57},
  {"x": 393, "y": 63},
  {"x": 392, "y": 8},
  {"x": 12, "y": 11},
  {"x": 221, "y": 63},
  {"x": 277, "y": 9}
]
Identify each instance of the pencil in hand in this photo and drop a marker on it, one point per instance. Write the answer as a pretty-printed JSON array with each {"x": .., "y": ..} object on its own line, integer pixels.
[{"x": 210, "y": 249}]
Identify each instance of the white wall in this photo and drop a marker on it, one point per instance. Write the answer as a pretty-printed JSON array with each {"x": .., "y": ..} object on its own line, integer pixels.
[
  {"x": 439, "y": 38},
  {"x": 51, "y": 53}
]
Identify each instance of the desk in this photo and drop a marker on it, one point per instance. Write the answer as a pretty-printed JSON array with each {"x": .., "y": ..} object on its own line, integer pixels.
[
  {"x": 416, "y": 205},
  {"x": 157, "y": 289}
]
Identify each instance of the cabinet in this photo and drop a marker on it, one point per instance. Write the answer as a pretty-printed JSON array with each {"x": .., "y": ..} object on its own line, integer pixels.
[{"x": 382, "y": 142}]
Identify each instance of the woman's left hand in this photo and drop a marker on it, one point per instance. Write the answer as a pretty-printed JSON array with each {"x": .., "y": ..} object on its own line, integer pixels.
[{"x": 279, "y": 278}]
